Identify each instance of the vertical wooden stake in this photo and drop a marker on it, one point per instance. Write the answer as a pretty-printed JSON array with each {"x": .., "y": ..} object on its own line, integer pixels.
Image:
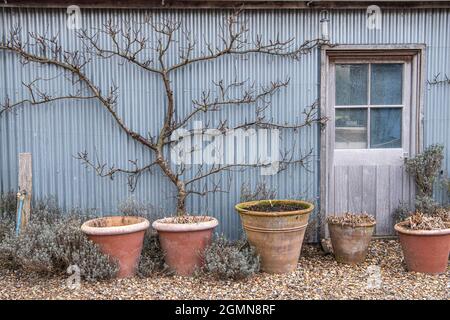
[{"x": 25, "y": 186}]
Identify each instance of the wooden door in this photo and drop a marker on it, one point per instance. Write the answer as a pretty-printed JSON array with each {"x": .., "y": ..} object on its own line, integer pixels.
[{"x": 369, "y": 106}]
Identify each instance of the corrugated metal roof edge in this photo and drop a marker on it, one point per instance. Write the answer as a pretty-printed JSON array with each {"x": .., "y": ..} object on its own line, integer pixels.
[{"x": 248, "y": 4}]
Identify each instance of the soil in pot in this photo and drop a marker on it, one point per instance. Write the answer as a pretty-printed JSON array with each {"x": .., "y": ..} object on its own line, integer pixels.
[
  {"x": 277, "y": 207},
  {"x": 425, "y": 244},
  {"x": 350, "y": 236},
  {"x": 276, "y": 229},
  {"x": 120, "y": 237},
  {"x": 184, "y": 240}
]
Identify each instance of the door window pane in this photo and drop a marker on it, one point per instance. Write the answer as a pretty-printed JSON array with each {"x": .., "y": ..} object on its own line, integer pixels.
[
  {"x": 351, "y": 128},
  {"x": 386, "y": 128},
  {"x": 386, "y": 83},
  {"x": 351, "y": 84}
]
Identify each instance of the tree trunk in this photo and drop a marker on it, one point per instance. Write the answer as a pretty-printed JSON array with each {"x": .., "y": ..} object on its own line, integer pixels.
[
  {"x": 181, "y": 199},
  {"x": 181, "y": 187}
]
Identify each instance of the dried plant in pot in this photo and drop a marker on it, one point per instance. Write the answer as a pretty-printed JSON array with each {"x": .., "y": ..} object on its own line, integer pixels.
[
  {"x": 184, "y": 239},
  {"x": 276, "y": 229},
  {"x": 425, "y": 242},
  {"x": 425, "y": 235},
  {"x": 350, "y": 236},
  {"x": 120, "y": 237}
]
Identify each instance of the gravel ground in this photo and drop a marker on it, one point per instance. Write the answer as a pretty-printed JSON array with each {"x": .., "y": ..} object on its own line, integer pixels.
[{"x": 318, "y": 276}]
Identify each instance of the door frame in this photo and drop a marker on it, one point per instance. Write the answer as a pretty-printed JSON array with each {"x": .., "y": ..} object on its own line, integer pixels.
[{"x": 417, "y": 54}]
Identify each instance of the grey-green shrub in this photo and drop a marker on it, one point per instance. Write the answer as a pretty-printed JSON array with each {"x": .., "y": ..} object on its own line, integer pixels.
[
  {"x": 52, "y": 242},
  {"x": 427, "y": 205},
  {"x": 260, "y": 192},
  {"x": 152, "y": 257},
  {"x": 401, "y": 212},
  {"x": 447, "y": 182},
  {"x": 133, "y": 207},
  {"x": 8, "y": 205},
  {"x": 447, "y": 189},
  {"x": 231, "y": 260},
  {"x": 424, "y": 168}
]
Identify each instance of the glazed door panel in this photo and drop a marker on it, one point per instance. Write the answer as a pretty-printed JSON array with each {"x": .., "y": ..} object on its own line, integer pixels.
[{"x": 369, "y": 103}]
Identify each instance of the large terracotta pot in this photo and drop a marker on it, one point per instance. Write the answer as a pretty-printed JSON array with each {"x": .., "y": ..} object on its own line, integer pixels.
[
  {"x": 425, "y": 251},
  {"x": 184, "y": 243},
  {"x": 121, "y": 238},
  {"x": 276, "y": 236},
  {"x": 350, "y": 243}
]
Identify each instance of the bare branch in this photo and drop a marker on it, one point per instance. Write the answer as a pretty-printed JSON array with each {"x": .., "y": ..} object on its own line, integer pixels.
[
  {"x": 249, "y": 95},
  {"x": 133, "y": 46},
  {"x": 103, "y": 170},
  {"x": 16, "y": 46},
  {"x": 38, "y": 97},
  {"x": 215, "y": 187},
  {"x": 286, "y": 160},
  {"x": 311, "y": 116},
  {"x": 235, "y": 41},
  {"x": 437, "y": 81}
]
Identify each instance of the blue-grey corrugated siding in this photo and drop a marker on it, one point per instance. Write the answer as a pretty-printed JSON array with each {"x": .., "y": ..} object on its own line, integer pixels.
[{"x": 55, "y": 132}]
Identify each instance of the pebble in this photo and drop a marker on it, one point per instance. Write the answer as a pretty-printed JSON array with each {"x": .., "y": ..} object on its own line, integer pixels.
[{"x": 318, "y": 276}]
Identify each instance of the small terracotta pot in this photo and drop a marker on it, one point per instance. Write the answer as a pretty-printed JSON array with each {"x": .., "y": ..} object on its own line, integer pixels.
[
  {"x": 276, "y": 236},
  {"x": 184, "y": 243},
  {"x": 350, "y": 243},
  {"x": 425, "y": 251},
  {"x": 121, "y": 238}
]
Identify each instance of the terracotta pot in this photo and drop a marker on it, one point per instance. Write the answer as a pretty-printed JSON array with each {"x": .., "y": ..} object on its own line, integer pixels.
[
  {"x": 424, "y": 251},
  {"x": 184, "y": 243},
  {"x": 350, "y": 243},
  {"x": 276, "y": 236},
  {"x": 121, "y": 238}
]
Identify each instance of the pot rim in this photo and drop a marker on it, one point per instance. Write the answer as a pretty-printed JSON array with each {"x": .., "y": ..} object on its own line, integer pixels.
[
  {"x": 240, "y": 208},
  {"x": 116, "y": 230},
  {"x": 400, "y": 228},
  {"x": 362, "y": 225},
  {"x": 158, "y": 225}
]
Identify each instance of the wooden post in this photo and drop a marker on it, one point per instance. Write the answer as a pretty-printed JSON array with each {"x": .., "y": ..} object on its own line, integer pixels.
[{"x": 25, "y": 186}]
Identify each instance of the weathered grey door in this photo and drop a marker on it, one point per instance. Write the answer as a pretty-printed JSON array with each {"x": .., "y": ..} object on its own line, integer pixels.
[{"x": 369, "y": 136}]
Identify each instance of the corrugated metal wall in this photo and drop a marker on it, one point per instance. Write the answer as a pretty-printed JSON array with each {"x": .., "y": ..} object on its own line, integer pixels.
[{"x": 57, "y": 131}]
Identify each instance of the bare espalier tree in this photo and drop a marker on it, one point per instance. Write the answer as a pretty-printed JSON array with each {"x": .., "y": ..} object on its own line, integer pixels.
[{"x": 127, "y": 43}]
